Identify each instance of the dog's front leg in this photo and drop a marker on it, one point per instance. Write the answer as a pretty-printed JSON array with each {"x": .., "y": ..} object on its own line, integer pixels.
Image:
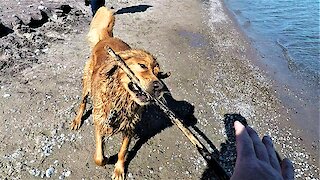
[
  {"x": 86, "y": 83},
  {"x": 76, "y": 123},
  {"x": 118, "y": 173},
  {"x": 98, "y": 155}
]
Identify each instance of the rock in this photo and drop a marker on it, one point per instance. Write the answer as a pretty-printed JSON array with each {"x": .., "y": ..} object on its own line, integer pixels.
[
  {"x": 37, "y": 16},
  {"x": 41, "y": 7},
  {"x": 26, "y": 19},
  {"x": 27, "y": 35},
  {"x": 49, "y": 172},
  {"x": 42, "y": 175},
  {"x": 58, "y": 13},
  {"x": 6, "y": 95},
  {"x": 32, "y": 172},
  {"x": 16, "y": 21},
  {"x": 54, "y": 17},
  {"x": 54, "y": 132},
  {"x": 78, "y": 13},
  {"x": 38, "y": 172},
  {"x": 67, "y": 173},
  {"x": 130, "y": 175}
]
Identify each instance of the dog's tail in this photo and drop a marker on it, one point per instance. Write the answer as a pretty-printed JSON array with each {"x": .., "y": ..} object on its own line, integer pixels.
[{"x": 101, "y": 26}]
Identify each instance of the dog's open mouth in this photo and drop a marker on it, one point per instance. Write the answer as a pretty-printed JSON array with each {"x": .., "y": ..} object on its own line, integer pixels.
[{"x": 138, "y": 92}]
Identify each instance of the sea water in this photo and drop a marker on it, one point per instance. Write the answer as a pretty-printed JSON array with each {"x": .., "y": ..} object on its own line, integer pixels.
[
  {"x": 286, "y": 36},
  {"x": 290, "y": 27}
]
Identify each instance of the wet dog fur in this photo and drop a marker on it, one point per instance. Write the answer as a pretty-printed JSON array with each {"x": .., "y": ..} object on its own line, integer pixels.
[{"x": 117, "y": 102}]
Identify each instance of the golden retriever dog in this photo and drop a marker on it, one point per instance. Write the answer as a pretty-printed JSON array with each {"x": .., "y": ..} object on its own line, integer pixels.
[{"x": 117, "y": 102}]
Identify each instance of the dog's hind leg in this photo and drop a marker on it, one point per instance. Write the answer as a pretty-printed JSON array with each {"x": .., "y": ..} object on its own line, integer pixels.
[
  {"x": 86, "y": 83},
  {"x": 118, "y": 173}
]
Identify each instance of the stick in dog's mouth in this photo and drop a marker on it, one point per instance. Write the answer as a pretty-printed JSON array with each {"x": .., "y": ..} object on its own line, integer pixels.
[{"x": 140, "y": 94}]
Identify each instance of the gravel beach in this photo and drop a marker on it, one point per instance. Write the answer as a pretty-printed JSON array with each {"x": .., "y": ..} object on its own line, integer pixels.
[{"x": 213, "y": 81}]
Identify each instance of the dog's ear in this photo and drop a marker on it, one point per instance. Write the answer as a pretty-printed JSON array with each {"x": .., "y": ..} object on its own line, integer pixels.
[{"x": 162, "y": 75}]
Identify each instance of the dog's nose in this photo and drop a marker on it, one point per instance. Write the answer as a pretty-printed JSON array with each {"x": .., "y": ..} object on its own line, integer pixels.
[{"x": 157, "y": 85}]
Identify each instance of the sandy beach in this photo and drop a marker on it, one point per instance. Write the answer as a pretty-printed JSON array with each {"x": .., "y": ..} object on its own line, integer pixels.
[{"x": 213, "y": 79}]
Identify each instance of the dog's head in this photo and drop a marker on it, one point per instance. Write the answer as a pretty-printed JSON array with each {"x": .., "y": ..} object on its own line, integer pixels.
[{"x": 147, "y": 70}]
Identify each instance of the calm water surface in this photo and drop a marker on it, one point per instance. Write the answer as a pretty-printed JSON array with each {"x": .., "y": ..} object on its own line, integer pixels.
[
  {"x": 292, "y": 25},
  {"x": 286, "y": 35}
]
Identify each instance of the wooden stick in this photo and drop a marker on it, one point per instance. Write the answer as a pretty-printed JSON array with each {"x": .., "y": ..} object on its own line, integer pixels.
[{"x": 174, "y": 119}]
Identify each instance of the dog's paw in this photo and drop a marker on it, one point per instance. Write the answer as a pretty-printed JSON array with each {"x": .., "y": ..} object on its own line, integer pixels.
[
  {"x": 118, "y": 173},
  {"x": 75, "y": 125},
  {"x": 100, "y": 161}
]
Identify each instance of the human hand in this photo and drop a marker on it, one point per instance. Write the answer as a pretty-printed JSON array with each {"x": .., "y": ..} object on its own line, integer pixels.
[{"x": 256, "y": 159}]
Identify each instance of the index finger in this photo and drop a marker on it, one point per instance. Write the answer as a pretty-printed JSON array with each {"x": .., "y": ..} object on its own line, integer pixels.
[
  {"x": 244, "y": 143},
  {"x": 287, "y": 169}
]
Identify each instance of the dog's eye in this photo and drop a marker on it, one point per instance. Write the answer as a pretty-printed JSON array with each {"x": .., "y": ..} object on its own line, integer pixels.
[{"x": 143, "y": 66}]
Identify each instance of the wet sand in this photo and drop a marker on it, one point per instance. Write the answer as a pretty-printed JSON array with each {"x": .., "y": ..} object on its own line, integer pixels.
[{"x": 213, "y": 80}]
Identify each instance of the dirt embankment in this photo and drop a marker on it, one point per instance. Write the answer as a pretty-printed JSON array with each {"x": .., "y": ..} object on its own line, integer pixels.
[{"x": 42, "y": 54}]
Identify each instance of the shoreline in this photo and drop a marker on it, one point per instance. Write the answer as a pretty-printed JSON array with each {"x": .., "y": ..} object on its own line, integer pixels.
[
  {"x": 299, "y": 97},
  {"x": 287, "y": 111},
  {"x": 212, "y": 80}
]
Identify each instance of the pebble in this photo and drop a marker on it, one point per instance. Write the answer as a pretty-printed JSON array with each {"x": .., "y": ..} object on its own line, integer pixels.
[
  {"x": 41, "y": 7},
  {"x": 54, "y": 17},
  {"x": 38, "y": 172},
  {"x": 6, "y": 95},
  {"x": 130, "y": 175},
  {"x": 49, "y": 172},
  {"x": 67, "y": 173},
  {"x": 54, "y": 132},
  {"x": 32, "y": 172}
]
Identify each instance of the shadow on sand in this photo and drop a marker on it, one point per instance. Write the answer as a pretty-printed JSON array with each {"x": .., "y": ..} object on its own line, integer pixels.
[
  {"x": 227, "y": 154},
  {"x": 4, "y": 30},
  {"x": 133, "y": 9},
  {"x": 154, "y": 121}
]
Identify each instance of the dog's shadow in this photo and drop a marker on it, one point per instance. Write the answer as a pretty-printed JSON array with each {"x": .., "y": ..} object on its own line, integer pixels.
[{"x": 153, "y": 121}]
